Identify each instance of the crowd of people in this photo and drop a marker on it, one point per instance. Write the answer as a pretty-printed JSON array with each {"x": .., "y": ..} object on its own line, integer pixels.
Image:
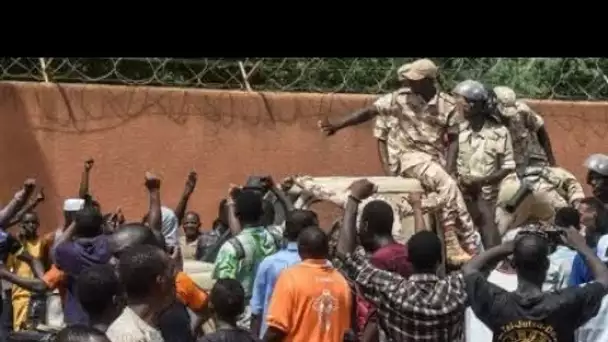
[{"x": 514, "y": 250}]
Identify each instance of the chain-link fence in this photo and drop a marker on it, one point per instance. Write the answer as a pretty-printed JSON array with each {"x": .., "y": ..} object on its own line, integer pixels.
[{"x": 542, "y": 78}]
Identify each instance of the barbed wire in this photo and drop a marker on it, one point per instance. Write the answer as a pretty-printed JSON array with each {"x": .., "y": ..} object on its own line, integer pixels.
[{"x": 541, "y": 78}]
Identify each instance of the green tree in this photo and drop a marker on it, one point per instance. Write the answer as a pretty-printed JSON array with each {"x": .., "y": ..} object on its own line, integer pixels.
[{"x": 542, "y": 78}]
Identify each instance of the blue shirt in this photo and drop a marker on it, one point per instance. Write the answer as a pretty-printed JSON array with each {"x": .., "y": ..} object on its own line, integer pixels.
[
  {"x": 73, "y": 257},
  {"x": 580, "y": 274},
  {"x": 560, "y": 268},
  {"x": 266, "y": 277}
]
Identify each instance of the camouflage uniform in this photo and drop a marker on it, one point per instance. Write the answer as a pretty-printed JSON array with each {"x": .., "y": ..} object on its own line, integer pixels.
[
  {"x": 417, "y": 147},
  {"x": 553, "y": 187},
  {"x": 401, "y": 207},
  {"x": 386, "y": 129},
  {"x": 482, "y": 153}
]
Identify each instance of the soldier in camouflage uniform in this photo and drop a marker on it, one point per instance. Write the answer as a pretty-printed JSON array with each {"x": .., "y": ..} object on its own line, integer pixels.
[
  {"x": 422, "y": 116},
  {"x": 385, "y": 132},
  {"x": 485, "y": 155},
  {"x": 597, "y": 176},
  {"x": 552, "y": 187}
]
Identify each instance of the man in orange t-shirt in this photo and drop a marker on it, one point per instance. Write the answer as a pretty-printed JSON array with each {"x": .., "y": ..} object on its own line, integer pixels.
[
  {"x": 312, "y": 301},
  {"x": 186, "y": 290}
]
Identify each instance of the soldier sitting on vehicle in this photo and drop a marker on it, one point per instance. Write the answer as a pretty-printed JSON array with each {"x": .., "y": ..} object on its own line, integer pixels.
[{"x": 551, "y": 187}]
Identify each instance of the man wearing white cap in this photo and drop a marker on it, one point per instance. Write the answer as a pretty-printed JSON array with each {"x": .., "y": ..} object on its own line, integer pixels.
[
  {"x": 70, "y": 207},
  {"x": 422, "y": 116},
  {"x": 552, "y": 187}
]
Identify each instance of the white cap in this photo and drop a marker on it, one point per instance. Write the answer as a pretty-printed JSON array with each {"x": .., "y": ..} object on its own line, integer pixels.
[
  {"x": 73, "y": 204},
  {"x": 602, "y": 248}
]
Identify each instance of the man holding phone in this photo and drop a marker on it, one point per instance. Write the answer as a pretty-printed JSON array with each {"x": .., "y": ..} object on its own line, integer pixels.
[{"x": 528, "y": 312}]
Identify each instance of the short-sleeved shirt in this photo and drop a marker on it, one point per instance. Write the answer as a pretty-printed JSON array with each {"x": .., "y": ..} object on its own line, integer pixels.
[
  {"x": 482, "y": 153},
  {"x": 186, "y": 290},
  {"x": 423, "y": 307},
  {"x": 385, "y": 129},
  {"x": 580, "y": 273},
  {"x": 129, "y": 327},
  {"x": 257, "y": 243},
  {"x": 266, "y": 278},
  {"x": 550, "y": 316},
  {"x": 419, "y": 127},
  {"x": 21, "y": 268},
  {"x": 189, "y": 293},
  {"x": 311, "y": 302},
  {"x": 523, "y": 127},
  {"x": 392, "y": 258},
  {"x": 188, "y": 249},
  {"x": 564, "y": 182},
  {"x": 73, "y": 257}
]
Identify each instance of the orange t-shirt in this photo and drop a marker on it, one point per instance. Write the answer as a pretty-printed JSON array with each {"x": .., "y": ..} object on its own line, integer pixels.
[
  {"x": 189, "y": 293},
  {"x": 186, "y": 290},
  {"x": 55, "y": 278},
  {"x": 311, "y": 302}
]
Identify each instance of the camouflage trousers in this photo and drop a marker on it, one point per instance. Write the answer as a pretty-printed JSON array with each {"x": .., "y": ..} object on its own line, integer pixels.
[
  {"x": 392, "y": 190},
  {"x": 548, "y": 195},
  {"x": 448, "y": 199}
]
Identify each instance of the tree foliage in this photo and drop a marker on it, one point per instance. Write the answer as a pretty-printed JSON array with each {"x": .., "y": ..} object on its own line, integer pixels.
[{"x": 542, "y": 78}]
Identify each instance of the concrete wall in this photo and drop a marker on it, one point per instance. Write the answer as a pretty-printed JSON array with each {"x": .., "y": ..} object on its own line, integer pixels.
[{"x": 49, "y": 130}]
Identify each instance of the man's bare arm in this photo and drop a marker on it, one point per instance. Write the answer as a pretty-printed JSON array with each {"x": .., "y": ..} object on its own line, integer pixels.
[
  {"x": 27, "y": 208},
  {"x": 154, "y": 211},
  {"x": 30, "y": 284},
  {"x": 233, "y": 221},
  {"x": 489, "y": 258},
  {"x": 358, "y": 117},
  {"x": 360, "y": 190},
  {"x": 415, "y": 200},
  {"x": 83, "y": 191},
  {"x": 277, "y": 190},
  {"x": 19, "y": 199},
  {"x": 182, "y": 205}
]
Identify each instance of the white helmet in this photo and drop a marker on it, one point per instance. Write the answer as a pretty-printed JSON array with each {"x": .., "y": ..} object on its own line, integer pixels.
[{"x": 598, "y": 163}]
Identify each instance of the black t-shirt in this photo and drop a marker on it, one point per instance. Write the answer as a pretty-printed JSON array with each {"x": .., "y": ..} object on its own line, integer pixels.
[
  {"x": 548, "y": 317},
  {"x": 229, "y": 335},
  {"x": 174, "y": 324}
]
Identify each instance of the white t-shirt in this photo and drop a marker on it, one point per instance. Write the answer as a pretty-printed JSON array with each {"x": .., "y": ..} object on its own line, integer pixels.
[
  {"x": 595, "y": 329},
  {"x": 475, "y": 330},
  {"x": 129, "y": 327}
]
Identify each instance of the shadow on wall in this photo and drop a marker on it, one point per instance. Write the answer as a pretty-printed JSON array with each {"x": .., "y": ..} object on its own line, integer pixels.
[
  {"x": 50, "y": 129},
  {"x": 22, "y": 157}
]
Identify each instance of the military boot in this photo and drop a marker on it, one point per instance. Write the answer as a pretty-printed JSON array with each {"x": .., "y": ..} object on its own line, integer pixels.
[{"x": 456, "y": 256}]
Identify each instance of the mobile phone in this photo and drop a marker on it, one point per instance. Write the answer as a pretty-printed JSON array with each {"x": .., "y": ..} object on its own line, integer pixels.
[{"x": 555, "y": 236}]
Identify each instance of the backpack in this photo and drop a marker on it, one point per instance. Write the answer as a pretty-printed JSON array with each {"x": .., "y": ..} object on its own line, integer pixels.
[{"x": 209, "y": 253}]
